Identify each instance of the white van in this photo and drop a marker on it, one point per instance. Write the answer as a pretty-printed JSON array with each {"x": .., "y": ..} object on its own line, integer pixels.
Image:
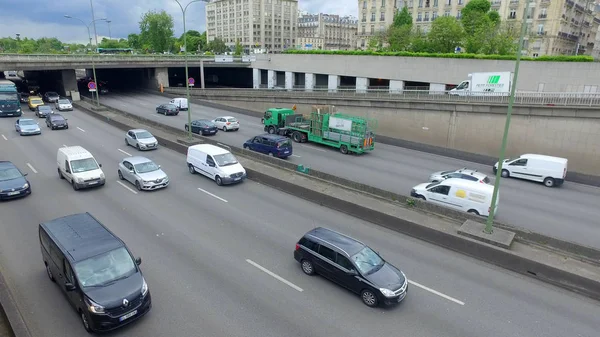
[
  {"x": 181, "y": 103},
  {"x": 79, "y": 167},
  {"x": 215, "y": 163},
  {"x": 549, "y": 170},
  {"x": 460, "y": 194}
]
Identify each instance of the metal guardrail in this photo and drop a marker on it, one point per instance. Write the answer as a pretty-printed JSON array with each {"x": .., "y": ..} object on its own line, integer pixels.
[
  {"x": 109, "y": 58},
  {"x": 522, "y": 98}
]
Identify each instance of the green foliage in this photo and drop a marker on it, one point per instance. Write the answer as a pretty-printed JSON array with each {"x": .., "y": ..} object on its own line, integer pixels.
[
  {"x": 43, "y": 45},
  {"x": 134, "y": 41},
  {"x": 195, "y": 41},
  {"x": 217, "y": 46},
  {"x": 446, "y": 34},
  {"x": 402, "y": 18},
  {"x": 239, "y": 49},
  {"x": 106, "y": 43},
  {"x": 156, "y": 31},
  {"x": 399, "y": 38},
  {"x": 558, "y": 58}
]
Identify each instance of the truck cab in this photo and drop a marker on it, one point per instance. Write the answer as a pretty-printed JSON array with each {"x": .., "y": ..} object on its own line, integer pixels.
[{"x": 275, "y": 119}]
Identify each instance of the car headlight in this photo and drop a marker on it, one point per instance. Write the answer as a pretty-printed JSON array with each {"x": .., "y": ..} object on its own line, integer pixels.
[
  {"x": 387, "y": 292},
  {"x": 26, "y": 185},
  {"x": 79, "y": 180},
  {"x": 144, "y": 287},
  {"x": 102, "y": 176},
  {"x": 94, "y": 307},
  {"x": 18, "y": 110}
]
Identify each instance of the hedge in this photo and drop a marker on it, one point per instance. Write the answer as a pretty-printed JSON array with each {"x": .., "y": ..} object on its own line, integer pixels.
[{"x": 557, "y": 58}]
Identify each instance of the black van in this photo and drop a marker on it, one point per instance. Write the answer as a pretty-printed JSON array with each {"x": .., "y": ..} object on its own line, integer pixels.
[
  {"x": 351, "y": 264},
  {"x": 95, "y": 270}
]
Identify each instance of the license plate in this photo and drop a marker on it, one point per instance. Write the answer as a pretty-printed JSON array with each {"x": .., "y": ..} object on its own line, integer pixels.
[
  {"x": 129, "y": 315},
  {"x": 13, "y": 193},
  {"x": 287, "y": 152},
  {"x": 93, "y": 182}
]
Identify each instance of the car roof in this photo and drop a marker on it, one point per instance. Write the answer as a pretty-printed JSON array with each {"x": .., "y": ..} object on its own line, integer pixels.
[
  {"x": 81, "y": 236},
  {"x": 210, "y": 149},
  {"x": 467, "y": 184},
  {"x": 25, "y": 119},
  {"x": 343, "y": 242},
  {"x": 473, "y": 173},
  {"x": 273, "y": 137},
  {"x": 44, "y": 107},
  {"x": 76, "y": 151},
  {"x": 202, "y": 120},
  {"x": 226, "y": 117},
  {"x": 55, "y": 115},
  {"x": 138, "y": 130},
  {"x": 544, "y": 157},
  {"x": 137, "y": 160},
  {"x": 51, "y": 93}
]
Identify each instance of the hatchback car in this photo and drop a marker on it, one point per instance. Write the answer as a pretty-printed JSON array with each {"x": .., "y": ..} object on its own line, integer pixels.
[
  {"x": 227, "y": 123},
  {"x": 33, "y": 102},
  {"x": 64, "y": 104},
  {"x": 13, "y": 183},
  {"x": 203, "y": 127},
  {"x": 56, "y": 121},
  {"x": 143, "y": 173},
  {"x": 43, "y": 111},
  {"x": 351, "y": 264},
  {"x": 141, "y": 139},
  {"x": 51, "y": 97},
  {"x": 167, "y": 109},
  {"x": 273, "y": 145},
  {"x": 463, "y": 173},
  {"x": 27, "y": 126}
]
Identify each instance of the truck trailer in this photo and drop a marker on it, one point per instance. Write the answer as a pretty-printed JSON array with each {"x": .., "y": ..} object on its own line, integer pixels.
[
  {"x": 350, "y": 134},
  {"x": 485, "y": 84}
]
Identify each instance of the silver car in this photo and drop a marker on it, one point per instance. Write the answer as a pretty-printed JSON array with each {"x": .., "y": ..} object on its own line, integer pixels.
[
  {"x": 27, "y": 126},
  {"x": 141, "y": 140},
  {"x": 64, "y": 104},
  {"x": 143, "y": 173}
]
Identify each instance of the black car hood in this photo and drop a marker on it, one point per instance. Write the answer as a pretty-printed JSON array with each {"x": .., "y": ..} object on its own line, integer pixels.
[
  {"x": 112, "y": 296},
  {"x": 388, "y": 277},
  {"x": 58, "y": 121},
  {"x": 16, "y": 183}
]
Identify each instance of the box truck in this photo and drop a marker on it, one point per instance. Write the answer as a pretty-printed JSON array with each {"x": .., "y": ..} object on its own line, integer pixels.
[{"x": 483, "y": 84}]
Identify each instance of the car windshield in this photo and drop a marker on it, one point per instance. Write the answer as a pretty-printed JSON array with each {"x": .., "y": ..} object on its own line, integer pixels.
[
  {"x": 52, "y": 94},
  {"x": 56, "y": 118},
  {"x": 170, "y": 106},
  {"x": 8, "y": 97},
  {"x": 44, "y": 108},
  {"x": 284, "y": 143},
  {"x": 27, "y": 122},
  {"x": 9, "y": 174},
  {"x": 105, "y": 268},
  {"x": 445, "y": 172},
  {"x": 37, "y": 101},
  {"x": 84, "y": 165},
  {"x": 232, "y": 120},
  {"x": 226, "y": 159},
  {"x": 143, "y": 135},
  {"x": 146, "y": 167},
  {"x": 64, "y": 101},
  {"x": 367, "y": 261},
  {"x": 432, "y": 184}
]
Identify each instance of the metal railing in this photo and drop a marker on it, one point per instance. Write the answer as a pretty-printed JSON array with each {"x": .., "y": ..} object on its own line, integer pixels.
[
  {"x": 569, "y": 99},
  {"x": 108, "y": 58}
]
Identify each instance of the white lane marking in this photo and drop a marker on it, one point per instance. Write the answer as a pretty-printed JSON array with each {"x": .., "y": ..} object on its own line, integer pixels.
[
  {"x": 32, "y": 168},
  {"x": 80, "y": 129},
  {"x": 125, "y": 152},
  {"x": 295, "y": 155},
  {"x": 212, "y": 195},
  {"x": 127, "y": 187},
  {"x": 436, "y": 292},
  {"x": 274, "y": 275},
  {"x": 312, "y": 148},
  {"x": 3, "y": 136}
]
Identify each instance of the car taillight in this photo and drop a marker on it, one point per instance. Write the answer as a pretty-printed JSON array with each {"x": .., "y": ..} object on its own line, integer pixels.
[
  {"x": 227, "y": 123},
  {"x": 564, "y": 172},
  {"x": 297, "y": 246}
]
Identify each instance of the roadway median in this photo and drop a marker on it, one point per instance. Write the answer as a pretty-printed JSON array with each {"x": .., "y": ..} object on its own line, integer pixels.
[{"x": 565, "y": 264}]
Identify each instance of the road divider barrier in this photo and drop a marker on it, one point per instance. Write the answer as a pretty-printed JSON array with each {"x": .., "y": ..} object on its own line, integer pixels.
[{"x": 564, "y": 264}]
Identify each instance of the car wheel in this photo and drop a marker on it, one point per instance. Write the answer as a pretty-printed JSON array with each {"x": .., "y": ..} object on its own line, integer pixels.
[
  {"x": 137, "y": 146},
  {"x": 187, "y": 128},
  {"x": 369, "y": 298},
  {"x": 66, "y": 127},
  {"x": 126, "y": 142},
  {"x": 218, "y": 180},
  {"x": 296, "y": 137},
  {"x": 192, "y": 169},
  {"x": 60, "y": 174},
  {"x": 120, "y": 174},
  {"x": 85, "y": 321},
  {"x": 344, "y": 149},
  {"x": 245, "y": 146},
  {"x": 505, "y": 174},
  {"x": 271, "y": 130},
  {"x": 224, "y": 129},
  {"x": 549, "y": 182},
  {"x": 50, "y": 276},
  {"x": 307, "y": 267},
  {"x": 138, "y": 186},
  {"x": 472, "y": 211},
  {"x": 74, "y": 185},
  {"x": 421, "y": 197}
]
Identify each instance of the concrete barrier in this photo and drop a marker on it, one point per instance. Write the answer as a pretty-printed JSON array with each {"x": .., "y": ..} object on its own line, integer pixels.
[{"x": 8, "y": 303}]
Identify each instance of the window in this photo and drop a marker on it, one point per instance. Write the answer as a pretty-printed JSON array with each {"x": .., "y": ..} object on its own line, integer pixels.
[
  {"x": 435, "y": 3},
  {"x": 382, "y": 16},
  {"x": 68, "y": 271},
  {"x": 372, "y": 16},
  {"x": 447, "y": 13},
  {"x": 327, "y": 253},
  {"x": 449, "y": 2},
  {"x": 520, "y": 162},
  {"x": 367, "y": 261},
  {"x": 55, "y": 254},
  {"x": 257, "y": 140},
  {"x": 364, "y": 18},
  {"x": 426, "y": 17},
  {"x": 540, "y": 29},
  {"x": 382, "y": 3},
  {"x": 344, "y": 262},
  {"x": 441, "y": 189},
  {"x": 419, "y": 17},
  {"x": 434, "y": 16},
  {"x": 309, "y": 244},
  {"x": 210, "y": 161},
  {"x": 364, "y": 5},
  {"x": 468, "y": 177},
  {"x": 512, "y": 14},
  {"x": 105, "y": 268},
  {"x": 420, "y": 3}
]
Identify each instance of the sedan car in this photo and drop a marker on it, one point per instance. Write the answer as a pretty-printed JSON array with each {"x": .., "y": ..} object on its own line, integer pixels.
[
  {"x": 56, "y": 121},
  {"x": 43, "y": 111},
  {"x": 227, "y": 123},
  {"x": 64, "y": 104},
  {"x": 141, "y": 139},
  {"x": 13, "y": 183},
  {"x": 143, "y": 173},
  {"x": 51, "y": 97},
  {"x": 27, "y": 126},
  {"x": 463, "y": 173},
  {"x": 24, "y": 97},
  {"x": 203, "y": 127},
  {"x": 167, "y": 109}
]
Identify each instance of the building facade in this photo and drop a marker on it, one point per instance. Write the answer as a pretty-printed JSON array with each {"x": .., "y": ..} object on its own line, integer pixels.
[
  {"x": 326, "y": 32},
  {"x": 374, "y": 17},
  {"x": 268, "y": 25}
]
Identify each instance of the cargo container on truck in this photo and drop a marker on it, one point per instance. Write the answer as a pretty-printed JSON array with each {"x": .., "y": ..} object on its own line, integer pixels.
[
  {"x": 484, "y": 84},
  {"x": 10, "y": 104},
  {"x": 323, "y": 126}
]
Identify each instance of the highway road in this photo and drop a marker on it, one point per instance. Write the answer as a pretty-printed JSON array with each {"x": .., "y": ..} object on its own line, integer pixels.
[
  {"x": 569, "y": 212},
  {"x": 200, "y": 245}
]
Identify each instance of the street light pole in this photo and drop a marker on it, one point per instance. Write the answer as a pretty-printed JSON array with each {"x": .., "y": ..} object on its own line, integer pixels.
[
  {"x": 95, "y": 32},
  {"x": 490, "y": 220},
  {"x": 185, "y": 57},
  {"x": 109, "y": 34}
]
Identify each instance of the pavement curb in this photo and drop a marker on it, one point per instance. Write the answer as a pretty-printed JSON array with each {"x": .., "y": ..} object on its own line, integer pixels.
[{"x": 11, "y": 309}]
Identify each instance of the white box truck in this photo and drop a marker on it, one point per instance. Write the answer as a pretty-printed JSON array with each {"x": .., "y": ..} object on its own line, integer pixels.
[{"x": 484, "y": 84}]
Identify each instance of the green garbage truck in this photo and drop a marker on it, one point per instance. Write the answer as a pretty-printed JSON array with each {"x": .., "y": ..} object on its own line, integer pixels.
[{"x": 350, "y": 134}]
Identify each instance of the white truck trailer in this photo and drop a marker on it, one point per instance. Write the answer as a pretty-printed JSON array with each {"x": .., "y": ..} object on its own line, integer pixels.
[{"x": 484, "y": 84}]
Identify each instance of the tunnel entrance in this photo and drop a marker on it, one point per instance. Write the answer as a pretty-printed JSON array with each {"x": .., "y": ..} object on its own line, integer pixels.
[{"x": 214, "y": 77}]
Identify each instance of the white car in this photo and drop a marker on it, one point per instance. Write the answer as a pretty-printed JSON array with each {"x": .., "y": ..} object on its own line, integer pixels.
[
  {"x": 463, "y": 173},
  {"x": 141, "y": 139},
  {"x": 64, "y": 104},
  {"x": 227, "y": 123}
]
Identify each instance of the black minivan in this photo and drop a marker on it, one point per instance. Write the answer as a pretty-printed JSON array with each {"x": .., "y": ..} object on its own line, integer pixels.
[
  {"x": 351, "y": 264},
  {"x": 95, "y": 270}
]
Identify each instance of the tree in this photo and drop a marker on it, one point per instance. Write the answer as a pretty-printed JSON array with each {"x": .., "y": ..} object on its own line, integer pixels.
[
  {"x": 134, "y": 41},
  {"x": 156, "y": 30},
  {"x": 502, "y": 41},
  {"x": 239, "y": 49},
  {"x": 445, "y": 35},
  {"x": 400, "y": 34},
  {"x": 403, "y": 18},
  {"x": 106, "y": 43},
  {"x": 202, "y": 44},
  {"x": 480, "y": 25},
  {"x": 194, "y": 39},
  {"x": 217, "y": 46}
]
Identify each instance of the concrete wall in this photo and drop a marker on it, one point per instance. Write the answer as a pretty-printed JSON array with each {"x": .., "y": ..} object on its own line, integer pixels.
[
  {"x": 69, "y": 82},
  {"x": 533, "y": 76},
  {"x": 569, "y": 133},
  {"x": 161, "y": 76}
]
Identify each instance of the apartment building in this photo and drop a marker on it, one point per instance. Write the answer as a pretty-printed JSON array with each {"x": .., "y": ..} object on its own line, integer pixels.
[
  {"x": 270, "y": 25},
  {"x": 326, "y": 32},
  {"x": 555, "y": 27},
  {"x": 374, "y": 16}
]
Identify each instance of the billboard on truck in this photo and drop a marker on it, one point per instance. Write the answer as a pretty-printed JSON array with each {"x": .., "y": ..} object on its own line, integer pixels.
[
  {"x": 340, "y": 124},
  {"x": 488, "y": 83}
]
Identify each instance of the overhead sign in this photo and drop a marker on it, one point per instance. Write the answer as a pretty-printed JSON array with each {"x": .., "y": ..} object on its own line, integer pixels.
[
  {"x": 92, "y": 86},
  {"x": 223, "y": 58},
  {"x": 340, "y": 124},
  {"x": 191, "y": 81}
]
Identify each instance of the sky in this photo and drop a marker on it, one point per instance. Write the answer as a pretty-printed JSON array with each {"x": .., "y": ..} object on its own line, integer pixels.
[{"x": 37, "y": 18}]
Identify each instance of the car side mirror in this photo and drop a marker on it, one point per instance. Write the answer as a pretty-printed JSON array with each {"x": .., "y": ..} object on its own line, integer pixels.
[
  {"x": 100, "y": 165},
  {"x": 69, "y": 286},
  {"x": 352, "y": 272},
  {"x": 138, "y": 261},
  {"x": 68, "y": 170},
  {"x": 158, "y": 166},
  {"x": 25, "y": 174}
]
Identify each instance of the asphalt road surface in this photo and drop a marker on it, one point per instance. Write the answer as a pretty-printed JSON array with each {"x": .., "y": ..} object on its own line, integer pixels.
[
  {"x": 569, "y": 212},
  {"x": 201, "y": 245}
]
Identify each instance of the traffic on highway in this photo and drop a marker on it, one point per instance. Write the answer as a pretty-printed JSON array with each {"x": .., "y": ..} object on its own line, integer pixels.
[
  {"x": 568, "y": 212},
  {"x": 219, "y": 260}
]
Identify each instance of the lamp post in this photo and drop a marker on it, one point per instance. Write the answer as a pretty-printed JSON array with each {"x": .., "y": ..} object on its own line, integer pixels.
[
  {"x": 90, "y": 38},
  {"x": 187, "y": 83},
  {"x": 490, "y": 220},
  {"x": 109, "y": 34}
]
